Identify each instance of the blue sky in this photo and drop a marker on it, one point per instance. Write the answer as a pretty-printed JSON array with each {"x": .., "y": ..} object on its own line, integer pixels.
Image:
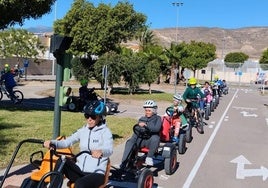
[{"x": 228, "y": 14}]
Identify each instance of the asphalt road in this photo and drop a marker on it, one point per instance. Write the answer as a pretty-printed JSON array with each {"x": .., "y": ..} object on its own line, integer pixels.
[{"x": 232, "y": 153}]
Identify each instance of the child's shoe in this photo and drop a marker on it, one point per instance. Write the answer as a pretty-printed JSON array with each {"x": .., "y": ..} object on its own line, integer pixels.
[{"x": 175, "y": 139}]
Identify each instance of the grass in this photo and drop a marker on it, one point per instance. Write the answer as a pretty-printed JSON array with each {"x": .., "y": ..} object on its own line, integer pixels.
[{"x": 18, "y": 123}]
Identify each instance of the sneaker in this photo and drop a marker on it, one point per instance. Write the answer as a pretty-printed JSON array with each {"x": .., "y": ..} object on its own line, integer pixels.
[
  {"x": 185, "y": 126},
  {"x": 175, "y": 139},
  {"x": 149, "y": 161}
]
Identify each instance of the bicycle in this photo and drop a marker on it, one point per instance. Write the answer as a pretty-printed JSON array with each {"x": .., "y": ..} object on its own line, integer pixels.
[
  {"x": 196, "y": 116},
  {"x": 17, "y": 93}
]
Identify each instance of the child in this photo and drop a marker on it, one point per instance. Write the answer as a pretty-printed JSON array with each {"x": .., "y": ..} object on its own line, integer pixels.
[{"x": 178, "y": 119}]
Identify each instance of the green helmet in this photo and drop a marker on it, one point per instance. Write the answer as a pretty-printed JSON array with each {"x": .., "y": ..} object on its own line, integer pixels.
[{"x": 84, "y": 82}]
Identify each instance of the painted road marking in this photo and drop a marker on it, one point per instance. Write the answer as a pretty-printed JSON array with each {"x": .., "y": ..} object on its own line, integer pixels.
[
  {"x": 243, "y": 108},
  {"x": 205, "y": 150},
  {"x": 241, "y": 172},
  {"x": 247, "y": 114}
]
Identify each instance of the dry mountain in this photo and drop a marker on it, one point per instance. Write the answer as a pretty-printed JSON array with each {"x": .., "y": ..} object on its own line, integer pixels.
[{"x": 251, "y": 41}]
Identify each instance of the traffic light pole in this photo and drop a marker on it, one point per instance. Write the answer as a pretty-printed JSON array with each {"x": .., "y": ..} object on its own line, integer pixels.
[{"x": 57, "y": 108}]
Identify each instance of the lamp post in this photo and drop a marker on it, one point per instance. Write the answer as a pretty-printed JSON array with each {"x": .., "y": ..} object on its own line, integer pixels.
[{"x": 177, "y": 4}]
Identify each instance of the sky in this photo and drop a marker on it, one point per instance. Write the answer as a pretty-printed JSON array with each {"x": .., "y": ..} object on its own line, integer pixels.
[{"x": 227, "y": 14}]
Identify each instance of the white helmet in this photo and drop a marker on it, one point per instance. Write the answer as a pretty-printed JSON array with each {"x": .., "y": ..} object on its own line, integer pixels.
[
  {"x": 177, "y": 97},
  {"x": 150, "y": 104}
]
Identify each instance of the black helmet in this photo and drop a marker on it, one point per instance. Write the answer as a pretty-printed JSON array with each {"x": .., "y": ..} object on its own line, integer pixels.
[{"x": 95, "y": 108}]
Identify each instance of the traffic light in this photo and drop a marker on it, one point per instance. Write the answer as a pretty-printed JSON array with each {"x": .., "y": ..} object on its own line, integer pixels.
[
  {"x": 67, "y": 66},
  {"x": 65, "y": 92}
]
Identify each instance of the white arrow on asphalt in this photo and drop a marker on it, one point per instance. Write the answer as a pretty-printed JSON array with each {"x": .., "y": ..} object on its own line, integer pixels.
[
  {"x": 241, "y": 172},
  {"x": 246, "y": 114}
]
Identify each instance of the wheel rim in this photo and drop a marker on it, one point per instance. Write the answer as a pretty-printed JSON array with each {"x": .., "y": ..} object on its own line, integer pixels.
[{"x": 148, "y": 182}]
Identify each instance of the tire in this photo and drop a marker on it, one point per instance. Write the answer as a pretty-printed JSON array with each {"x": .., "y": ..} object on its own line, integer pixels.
[
  {"x": 146, "y": 179},
  {"x": 200, "y": 123},
  {"x": 171, "y": 162},
  {"x": 207, "y": 113},
  {"x": 19, "y": 96},
  {"x": 26, "y": 183},
  {"x": 188, "y": 135},
  {"x": 1, "y": 95},
  {"x": 182, "y": 144},
  {"x": 108, "y": 108},
  {"x": 209, "y": 109},
  {"x": 72, "y": 107}
]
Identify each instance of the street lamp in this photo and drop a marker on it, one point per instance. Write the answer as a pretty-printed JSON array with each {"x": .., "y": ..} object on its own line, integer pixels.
[{"x": 177, "y": 4}]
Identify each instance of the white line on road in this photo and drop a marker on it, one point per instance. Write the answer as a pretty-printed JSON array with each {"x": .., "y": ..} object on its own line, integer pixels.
[{"x": 205, "y": 150}]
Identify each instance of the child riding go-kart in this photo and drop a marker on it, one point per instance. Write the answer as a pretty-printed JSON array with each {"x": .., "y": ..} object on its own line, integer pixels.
[
  {"x": 185, "y": 132},
  {"x": 135, "y": 169},
  {"x": 77, "y": 103}
]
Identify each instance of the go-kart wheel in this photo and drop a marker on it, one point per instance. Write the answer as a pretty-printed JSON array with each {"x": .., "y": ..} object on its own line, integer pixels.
[
  {"x": 206, "y": 114},
  {"x": 142, "y": 132},
  {"x": 171, "y": 162},
  {"x": 200, "y": 123},
  {"x": 182, "y": 144},
  {"x": 108, "y": 108},
  {"x": 188, "y": 135},
  {"x": 72, "y": 107},
  {"x": 1, "y": 95},
  {"x": 146, "y": 179}
]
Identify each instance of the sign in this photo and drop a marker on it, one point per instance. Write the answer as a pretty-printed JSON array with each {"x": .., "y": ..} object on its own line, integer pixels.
[
  {"x": 186, "y": 73},
  {"x": 26, "y": 63}
]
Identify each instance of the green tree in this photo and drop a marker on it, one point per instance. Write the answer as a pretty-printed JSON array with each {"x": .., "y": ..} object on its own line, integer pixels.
[
  {"x": 16, "y": 11},
  {"x": 196, "y": 55},
  {"x": 97, "y": 30},
  {"x": 174, "y": 57},
  {"x": 235, "y": 59},
  {"x": 21, "y": 44},
  {"x": 152, "y": 57},
  {"x": 115, "y": 66},
  {"x": 133, "y": 72},
  {"x": 264, "y": 60}
]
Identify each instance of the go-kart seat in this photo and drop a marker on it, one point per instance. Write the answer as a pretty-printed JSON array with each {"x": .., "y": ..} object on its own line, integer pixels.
[
  {"x": 106, "y": 177},
  {"x": 165, "y": 131},
  {"x": 45, "y": 165}
]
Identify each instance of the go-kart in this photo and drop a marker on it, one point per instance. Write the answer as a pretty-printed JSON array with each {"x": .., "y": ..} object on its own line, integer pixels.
[
  {"x": 48, "y": 167},
  {"x": 76, "y": 104},
  {"x": 135, "y": 169},
  {"x": 185, "y": 134}
]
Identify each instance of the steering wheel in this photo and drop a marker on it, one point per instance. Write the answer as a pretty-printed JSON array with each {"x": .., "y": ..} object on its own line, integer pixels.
[
  {"x": 170, "y": 111},
  {"x": 142, "y": 132}
]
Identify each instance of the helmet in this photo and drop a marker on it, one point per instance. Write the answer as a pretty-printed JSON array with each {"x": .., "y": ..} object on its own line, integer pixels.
[
  {"x": 192, "y": 81},
  {"x": 216, "y": 77},
  {"x": 198, "y": 85},
  {"x": 95, "y": 108},
  {"x": 177, "y": 97},
  {"x": 150, "y": 104},
  {"x": 6, "y": 65},
  {"x": 84, "y": 82}
]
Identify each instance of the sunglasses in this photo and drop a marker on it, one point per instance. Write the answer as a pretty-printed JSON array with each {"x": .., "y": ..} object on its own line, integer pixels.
[{"x": 87, "y": 116}]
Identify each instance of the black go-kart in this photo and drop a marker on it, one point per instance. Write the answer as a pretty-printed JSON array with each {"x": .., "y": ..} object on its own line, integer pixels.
[
  {"x": 76, "y": 104},
  {"x": 135, "y": 169}
]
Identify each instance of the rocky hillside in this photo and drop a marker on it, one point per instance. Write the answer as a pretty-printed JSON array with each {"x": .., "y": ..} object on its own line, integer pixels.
[{"x": 251, "y": 41}]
